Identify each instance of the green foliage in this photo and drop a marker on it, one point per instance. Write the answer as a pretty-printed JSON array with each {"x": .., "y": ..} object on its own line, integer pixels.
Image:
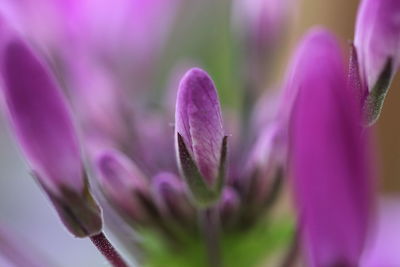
[{"x": 247, "y": 248}]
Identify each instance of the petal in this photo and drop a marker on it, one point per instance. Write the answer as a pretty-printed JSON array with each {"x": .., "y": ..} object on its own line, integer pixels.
[{"x": 329, "y": 162}]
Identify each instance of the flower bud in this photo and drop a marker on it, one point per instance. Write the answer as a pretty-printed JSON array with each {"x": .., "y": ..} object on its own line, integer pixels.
[
  {"x": 378, "y": 50},
  {"x": 200, "y": 141},
  {"x": 329, "y": 162},
  {"x": 170, "y": 195},
  {"x": 43, "y": 126},
  {"x": 123, "y": 184},
  {"x": 264, "y": 167}
]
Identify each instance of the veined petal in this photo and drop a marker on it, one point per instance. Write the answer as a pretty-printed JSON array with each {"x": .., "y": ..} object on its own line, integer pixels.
[{"x": 198, "y": 120}]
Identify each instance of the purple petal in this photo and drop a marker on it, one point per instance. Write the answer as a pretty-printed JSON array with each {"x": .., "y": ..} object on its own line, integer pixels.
[
  {"x": 40, "y": 118},
  {"x": 377, "y": 37},
  {"x": 198, "y": 120},
  {"x": 329, "y": 161}
]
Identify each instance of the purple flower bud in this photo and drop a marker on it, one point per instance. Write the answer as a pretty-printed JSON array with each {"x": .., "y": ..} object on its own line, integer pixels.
[
  {"x": 41, "y": 119},
  {"x": 123, "y": 184},
  {"x": 200, "y": 141},
  {"x": 377, "y": 38},
  {"x": 171, "y": 197},
  {"x": 264, "y": 167},
  {"x": 43, "y": 126},
  {"x": 329, "y": 156},
  {"x": 377, "y": 48}
]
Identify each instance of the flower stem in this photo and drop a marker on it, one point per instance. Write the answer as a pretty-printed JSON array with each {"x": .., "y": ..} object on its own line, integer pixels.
[
  {"x": 210, "y": 224},
  {"x": 292, "y": 254},
  {"x": 108, "y": 251}
]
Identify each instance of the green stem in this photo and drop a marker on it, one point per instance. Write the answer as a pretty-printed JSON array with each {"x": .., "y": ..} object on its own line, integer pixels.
[{"x": 210, "y": 225}]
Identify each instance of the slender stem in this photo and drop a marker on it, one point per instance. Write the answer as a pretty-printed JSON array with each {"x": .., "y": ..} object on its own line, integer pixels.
[
  {"x": 108, "y": 251},
  {"x": 210, "y": 224}
]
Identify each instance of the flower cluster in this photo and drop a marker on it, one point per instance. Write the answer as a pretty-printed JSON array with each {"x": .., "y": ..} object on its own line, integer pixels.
[{"x": 74, "y": 87}]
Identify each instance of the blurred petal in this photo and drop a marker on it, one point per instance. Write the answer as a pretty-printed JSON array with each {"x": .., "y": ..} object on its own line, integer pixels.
[
  {"x": 41, "y": 118},
  {"x": 383, "y": 244},
  {"x": 330, "y": 167}
]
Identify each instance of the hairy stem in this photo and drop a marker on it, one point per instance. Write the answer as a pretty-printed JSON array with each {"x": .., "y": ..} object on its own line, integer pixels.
[{"x": 108, "y": 251}]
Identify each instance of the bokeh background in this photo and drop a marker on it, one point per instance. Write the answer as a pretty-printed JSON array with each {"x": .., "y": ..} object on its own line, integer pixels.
[{"x": 203, "y": 35}]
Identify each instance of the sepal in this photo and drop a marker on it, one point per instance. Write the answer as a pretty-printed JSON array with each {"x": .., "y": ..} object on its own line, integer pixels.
[
  {"x": 79, "y": 212},
  {"x": 203, "y": 194},
  {"x": 374, "y": 102}
]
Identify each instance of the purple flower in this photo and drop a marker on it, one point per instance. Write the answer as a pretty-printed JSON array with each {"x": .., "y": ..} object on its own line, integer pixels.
[
  {"x": 377, "y": 44},
  {"x": 200, "y": 141},
  {"x": 329, "y": 157},
  {"x": 44, "y": 129}
]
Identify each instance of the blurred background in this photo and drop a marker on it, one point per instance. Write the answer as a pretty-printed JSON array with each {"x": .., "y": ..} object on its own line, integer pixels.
[{"x": 202, "y": 35}]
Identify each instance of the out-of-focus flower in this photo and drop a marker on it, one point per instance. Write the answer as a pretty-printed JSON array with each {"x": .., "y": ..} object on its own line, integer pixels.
[
  {"x": 377, "y": 44},
  {"x": 265, "y": 164},
  {"x": 43, "y": 126},
  {"x": 329, "y": 156},
  {"x": 384, "y": 240},
  {"x": 17, "y": 253},
  {"x": 200, "y": 141},
  {"x": 261, "y": 22},
  {"x": 123, "y": 184},
  {"x": 171, "y": 197}
]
